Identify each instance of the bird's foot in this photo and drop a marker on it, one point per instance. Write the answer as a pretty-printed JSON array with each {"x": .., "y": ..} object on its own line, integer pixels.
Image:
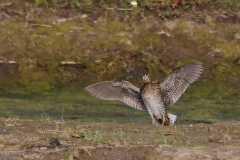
[
  {"x": 153, "y": 121},
  {"x": 163, "y": 120}
]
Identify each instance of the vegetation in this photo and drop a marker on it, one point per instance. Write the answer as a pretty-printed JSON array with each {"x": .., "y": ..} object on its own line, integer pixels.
[
  {"x": 64, "y": 139},
  {"x": 112, "y": 134},
  {"x": 92, "y": 41}
]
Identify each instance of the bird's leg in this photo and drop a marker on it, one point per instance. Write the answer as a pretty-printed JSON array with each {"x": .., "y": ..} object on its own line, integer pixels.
[
  {"x": 150, "y": 113},
  {"x": 163, "y": 120},
  {"x": 153, "y": 119}
]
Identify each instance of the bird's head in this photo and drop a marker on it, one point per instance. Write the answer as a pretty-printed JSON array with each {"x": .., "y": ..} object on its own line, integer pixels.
[{"x": 146, "y": 78}]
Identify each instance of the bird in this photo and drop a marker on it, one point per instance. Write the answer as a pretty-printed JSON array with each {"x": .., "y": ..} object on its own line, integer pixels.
[{"x": 151, "y": 97}]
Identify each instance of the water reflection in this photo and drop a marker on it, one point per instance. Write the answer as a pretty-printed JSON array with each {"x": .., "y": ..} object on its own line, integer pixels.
[{"x": 82, "y": 107}]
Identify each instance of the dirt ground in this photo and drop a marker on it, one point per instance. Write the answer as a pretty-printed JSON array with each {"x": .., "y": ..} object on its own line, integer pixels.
[{"x": 34, "y": 139}]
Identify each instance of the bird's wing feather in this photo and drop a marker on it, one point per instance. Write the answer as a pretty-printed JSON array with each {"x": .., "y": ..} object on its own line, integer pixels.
[
  {"x": 178, "y": 80},
  {"x": 117, "y": 90}
]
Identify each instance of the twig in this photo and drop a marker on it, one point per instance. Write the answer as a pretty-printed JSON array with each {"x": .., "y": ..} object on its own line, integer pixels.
[
  {"x": 42, "y": 25},
  {"x": 171, "y": 63},
  {"x": 15, "y": 62},
  {"x": 71, "y": 62},
  {"x": 7, "y": 4},
  {"x": 122, "y": 9},
  {"x": 142, "y": 16},
  {"x": 9, "y": 62}
]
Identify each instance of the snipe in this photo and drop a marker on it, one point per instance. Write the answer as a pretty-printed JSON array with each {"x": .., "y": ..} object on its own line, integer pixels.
[{"x": 151, "y": 97}]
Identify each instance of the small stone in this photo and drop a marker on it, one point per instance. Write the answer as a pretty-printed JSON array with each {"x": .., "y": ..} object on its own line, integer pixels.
[
  {"x": 62, "y": 20},
  {"x": 98, "y": 61},
  {"x": 43, "y": 148},
  {"x": 55, "y": 142},
  {"x": 237, "y": 36},
  {"x": 83, "y": 16}
]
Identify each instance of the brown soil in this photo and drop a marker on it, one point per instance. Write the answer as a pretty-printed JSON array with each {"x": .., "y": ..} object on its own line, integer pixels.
[{"x": 30, "y": 139}]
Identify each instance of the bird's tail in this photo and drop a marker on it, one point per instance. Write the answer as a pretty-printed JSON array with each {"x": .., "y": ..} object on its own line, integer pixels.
[{"x": 172, "y": 118}]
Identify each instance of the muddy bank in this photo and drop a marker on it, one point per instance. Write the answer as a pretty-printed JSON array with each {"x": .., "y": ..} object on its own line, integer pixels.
[
  {"x": 48, "y": 46},
  {"x": 23, "y": 139},
  {"x": 156, "y": 153},
  {"x": 133, "y": 152}
]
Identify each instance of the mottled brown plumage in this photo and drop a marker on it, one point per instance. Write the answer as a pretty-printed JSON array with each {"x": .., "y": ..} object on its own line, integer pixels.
[{"x": 151, "y": 97}]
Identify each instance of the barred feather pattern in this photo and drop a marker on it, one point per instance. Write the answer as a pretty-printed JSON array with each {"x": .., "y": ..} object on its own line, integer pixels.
[
  {"x": 151, "y": 97},
  {"x": 153, "y": 100},
  {"x": 118, "y": 90},
  {"x": 178, "y": 80}
]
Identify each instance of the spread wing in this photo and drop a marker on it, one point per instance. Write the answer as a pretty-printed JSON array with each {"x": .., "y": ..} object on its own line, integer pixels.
[
  {"x": 117, "y": 90},
  {"x": 178, "y": 80}
]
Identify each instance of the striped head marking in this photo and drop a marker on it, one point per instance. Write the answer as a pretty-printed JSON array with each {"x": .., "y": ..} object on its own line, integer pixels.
[{"x": 146, "y": 78}]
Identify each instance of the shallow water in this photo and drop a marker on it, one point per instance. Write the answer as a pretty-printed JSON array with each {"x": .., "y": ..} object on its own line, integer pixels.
[{"x": 79, "y": 106}]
